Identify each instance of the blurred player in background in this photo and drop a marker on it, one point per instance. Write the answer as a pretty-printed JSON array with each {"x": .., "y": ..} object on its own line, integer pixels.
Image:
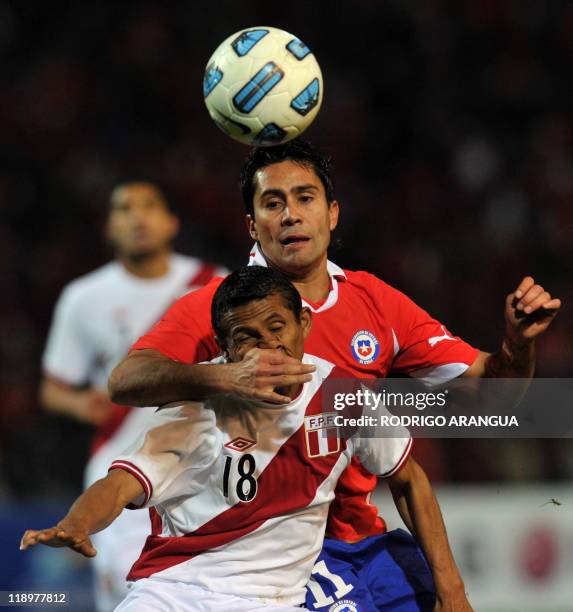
[
  {"x": 360, "y": 323},
  {"x": 97, "y": 319},
  {"x": 226, "y": 536}
]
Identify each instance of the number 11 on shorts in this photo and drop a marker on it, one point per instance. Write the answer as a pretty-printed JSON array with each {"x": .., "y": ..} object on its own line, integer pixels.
[{"x": 321, "y": 599}]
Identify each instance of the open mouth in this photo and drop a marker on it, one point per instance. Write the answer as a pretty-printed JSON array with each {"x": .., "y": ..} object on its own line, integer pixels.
[{"x": 294, "y": 239}]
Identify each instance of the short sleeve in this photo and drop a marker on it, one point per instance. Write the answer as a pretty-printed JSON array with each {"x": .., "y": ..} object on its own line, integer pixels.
[
  {"x": 181, "y": 443},
  {"x": 67, "y": 355},
  {"x": 185, "y": 333},
  {"x": 383, "y": 456},
  {"x": 423, "y": 347}
]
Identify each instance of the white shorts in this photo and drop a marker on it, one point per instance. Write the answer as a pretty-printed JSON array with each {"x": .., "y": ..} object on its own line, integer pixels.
[{"x": 154, "y": 595}]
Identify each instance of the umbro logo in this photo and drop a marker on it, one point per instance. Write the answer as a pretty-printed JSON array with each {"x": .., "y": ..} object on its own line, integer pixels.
[{"x": 240, "y": 444}]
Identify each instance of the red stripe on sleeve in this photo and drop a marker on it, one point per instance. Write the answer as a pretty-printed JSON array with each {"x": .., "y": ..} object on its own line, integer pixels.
[{"x": 137, "y": 473}]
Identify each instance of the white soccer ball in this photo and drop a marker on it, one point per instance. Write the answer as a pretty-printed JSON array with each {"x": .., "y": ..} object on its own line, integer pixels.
[{"x": 263, "y": 86}]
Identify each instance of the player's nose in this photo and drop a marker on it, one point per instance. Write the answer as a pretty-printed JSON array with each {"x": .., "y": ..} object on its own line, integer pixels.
[
  {"x": 291, "y": 214},
  {"x": 139, "y": 212},
  {"x": 137, "y": 220},
  {"x": 269, "y": 343}
]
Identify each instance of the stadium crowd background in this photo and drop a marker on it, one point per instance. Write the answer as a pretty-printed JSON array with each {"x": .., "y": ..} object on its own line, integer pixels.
[{"x": 451, "y": 130}]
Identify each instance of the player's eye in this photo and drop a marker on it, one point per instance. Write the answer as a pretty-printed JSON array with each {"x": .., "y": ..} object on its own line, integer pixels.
[
  {"x": 277, "y": 327},
  {"x": 272, "y": 204},
  {"x": 305, "y": 199}
]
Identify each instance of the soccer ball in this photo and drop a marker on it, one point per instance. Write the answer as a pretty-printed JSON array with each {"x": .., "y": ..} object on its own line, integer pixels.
[{"x": 262, "y": 86}]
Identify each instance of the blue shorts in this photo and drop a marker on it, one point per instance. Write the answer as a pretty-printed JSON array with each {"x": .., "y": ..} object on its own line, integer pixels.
[{"x": 384, "y": 572}]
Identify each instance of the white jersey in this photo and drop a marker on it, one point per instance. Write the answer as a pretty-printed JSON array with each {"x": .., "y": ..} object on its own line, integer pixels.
[
  {"x": 100, "y": 315},
  {"x": 240, "y": 490},
  {"x": 97, "y": 319}
]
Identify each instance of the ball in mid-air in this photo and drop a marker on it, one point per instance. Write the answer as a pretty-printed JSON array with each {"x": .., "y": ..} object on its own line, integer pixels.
[{"x": 263, "y": 86}]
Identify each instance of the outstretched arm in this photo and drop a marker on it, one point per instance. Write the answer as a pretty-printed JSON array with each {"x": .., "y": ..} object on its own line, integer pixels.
[
  {"x": 418, "y": 507},
  {"x": 93, "y": 511},
  {"x": 529, "y": 310}
]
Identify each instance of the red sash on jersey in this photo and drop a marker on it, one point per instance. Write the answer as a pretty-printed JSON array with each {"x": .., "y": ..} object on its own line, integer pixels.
[{"x": 292, "y": 460}]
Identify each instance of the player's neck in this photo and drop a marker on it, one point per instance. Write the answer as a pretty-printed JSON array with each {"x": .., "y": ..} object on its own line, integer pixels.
[
  {"x": 315, "y": 284},
  {"x": 152, "y": 266},
  {"x": 312, "y": 282}
]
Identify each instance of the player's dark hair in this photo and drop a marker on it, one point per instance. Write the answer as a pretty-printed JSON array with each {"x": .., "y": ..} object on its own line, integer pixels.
[
  {"x": 163, "y": 195},
  {"x": 298, "y": 151},
  {"x": 248, "y": 284}
]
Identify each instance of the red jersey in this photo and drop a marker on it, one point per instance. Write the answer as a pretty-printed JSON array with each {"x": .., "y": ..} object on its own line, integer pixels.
[{"x": 363, "y": 326}]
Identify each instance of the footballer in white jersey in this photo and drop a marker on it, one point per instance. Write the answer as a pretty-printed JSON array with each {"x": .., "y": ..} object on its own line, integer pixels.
[
  {"x": 239, "y": 490},
  {"x": 239, "y": 505},
  {"x": 96, "y": 320}
]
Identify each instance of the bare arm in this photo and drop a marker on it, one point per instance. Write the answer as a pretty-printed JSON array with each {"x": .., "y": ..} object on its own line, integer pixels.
[
  {"x": 93, "y": 511},
  {"x": 509, "y": 362},
  {"x": 86, "y": 405},
  {"x": 418, "y": 507},
  {"x": 148, "y": 378}
]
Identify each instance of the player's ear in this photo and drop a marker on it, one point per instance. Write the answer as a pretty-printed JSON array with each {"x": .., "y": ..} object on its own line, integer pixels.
[
  {"x": 175, "y": 225},
  {"x": 333, "y": 212},
  {"x": 252, "y": 227},
  {"x": 305, "y": 321}
]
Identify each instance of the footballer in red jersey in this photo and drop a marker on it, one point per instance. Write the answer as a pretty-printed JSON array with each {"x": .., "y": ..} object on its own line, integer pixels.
[{"x": 360, "y": 323}]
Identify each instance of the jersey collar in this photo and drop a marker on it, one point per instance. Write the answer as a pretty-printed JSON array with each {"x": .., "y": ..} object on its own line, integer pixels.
[{"x": 336, "y": 273}]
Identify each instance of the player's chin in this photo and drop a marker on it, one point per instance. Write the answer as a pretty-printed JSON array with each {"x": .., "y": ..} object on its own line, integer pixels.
[
  {"x": 142, "y": 250},
  {"x": 299, "y": 256}
]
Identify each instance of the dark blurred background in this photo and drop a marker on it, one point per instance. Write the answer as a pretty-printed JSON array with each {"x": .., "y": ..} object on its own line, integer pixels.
[{"x": 451, "y": 129}]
